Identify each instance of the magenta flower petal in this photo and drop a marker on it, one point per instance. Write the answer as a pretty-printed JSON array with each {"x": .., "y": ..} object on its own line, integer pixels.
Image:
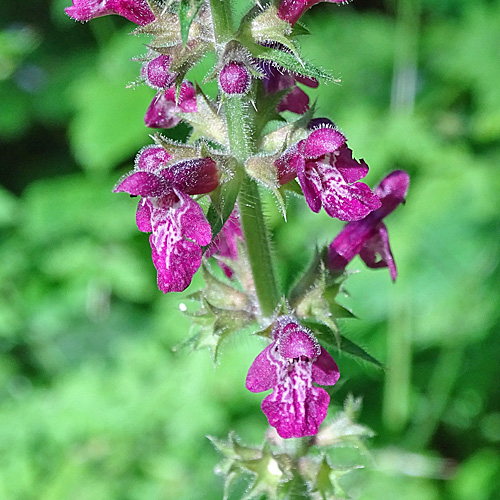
[
  {"x": 292, "y": 10},
  {"x": 296, "y": 408},
  {"x": 225, "y": 244},
  {"x": 178, "y": 225},
  {"x": 197, "y": 176},
  {"x": 307, "y": 80},
  {"x": 277, "y": 78},
  {"x": 349, "y": 242},
  {"x": 311, "y": 184},
  {"x": 324, "y": 370},
  {"x": 151, "y": 158},
  {"x": 142, "y": 183},
  {"x": 187, "y": 97},
  {"x": 234, "y": 79},
  {"x": 368, "y": 237},
  {"x": 351, "y": 169},
  {"x": 296, "y": 101},
  {"x": 263, "y": 373},
  {"x": 156, "y": 72},
  {"x": 290, "y": 162},
  {"x": 137, "y": 11},
  {"x": 348, "y": 202},
  {"x": 143, "y": 215},
  {"x": 327, "y": 173},
  {"x": 392, "y": 191},
  {"x": 323, "y": 141},
  {"x": 192, "y": 220},
  {"x": 161, "y": 112},
  {"x": 378, "y": 244},
  {"x": 175, "y": 257}
]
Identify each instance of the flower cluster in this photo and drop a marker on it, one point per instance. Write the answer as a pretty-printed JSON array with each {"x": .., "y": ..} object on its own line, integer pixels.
[{"x": 236, "y": 139}]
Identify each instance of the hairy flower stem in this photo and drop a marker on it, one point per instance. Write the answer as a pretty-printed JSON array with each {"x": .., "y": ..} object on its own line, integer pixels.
[
  {"x": 252, "y": 219},
  {"x": 240, "y": 132}
]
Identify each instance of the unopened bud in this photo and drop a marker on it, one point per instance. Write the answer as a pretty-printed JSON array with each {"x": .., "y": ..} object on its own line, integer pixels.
[
  {"x": 234, "y": 79},
  {"x": 156, "y": 73}
]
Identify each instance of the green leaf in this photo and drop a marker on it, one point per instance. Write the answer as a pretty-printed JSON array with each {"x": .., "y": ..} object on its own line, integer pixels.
[
  {"x": 344, "y": 346},
  {"x": 187, "y": 12}
]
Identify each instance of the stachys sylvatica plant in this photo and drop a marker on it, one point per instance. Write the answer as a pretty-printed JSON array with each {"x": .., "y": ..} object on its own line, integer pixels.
[{"x": 240, "y": 144}]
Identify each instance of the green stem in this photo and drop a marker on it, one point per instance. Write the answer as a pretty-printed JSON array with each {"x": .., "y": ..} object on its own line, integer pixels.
[
  {"x": 257, "y": 241},
  {"x": 240, "y": 133},
  {"x": 252, "y": 218}
]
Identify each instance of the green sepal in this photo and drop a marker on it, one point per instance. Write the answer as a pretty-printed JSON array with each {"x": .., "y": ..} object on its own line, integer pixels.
[
  {"x": 262, "y": 169},
  {"x": 314, "y": 294},
  {"x": 214, "y": 325},
  {"x": 326, "y": 481},
  {"x": 267, "y": 105},
  {"x": 221, "y": 295},
  {"x": 295, "y": 489},
  {"x": 223, "y": 200},
  {"x": 233, "y": 449},
  {"x": 291, "y": 63},
  {"x": 178, "y": 150},
  {"x": 241, "y": 460},
  {"x": 282, "y": 137},
  {"x": 270, "y": 473},
  {"x": 206, "y": 121},
  {"x": 339, "y": 342},
  {"x": 299, "y": 30},
  {"x": 308, "y": 278},
  {"x": 187, "y": 12},
  {"x": 343, "y": 429},
  {"x": 165, "y": 29},
  {"x": 268, "y": 27},
  {"x": 292, "y": 187}
]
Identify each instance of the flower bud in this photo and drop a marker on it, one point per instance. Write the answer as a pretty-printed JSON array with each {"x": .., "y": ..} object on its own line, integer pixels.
[
  {"x": 234, "y": 79},
  {"x": 156, "y": 73}
]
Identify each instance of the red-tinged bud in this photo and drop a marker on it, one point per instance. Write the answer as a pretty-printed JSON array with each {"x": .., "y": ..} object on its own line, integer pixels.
[
  {"x": 234, "y": 79},
  {"x": 156, "y": 73}
]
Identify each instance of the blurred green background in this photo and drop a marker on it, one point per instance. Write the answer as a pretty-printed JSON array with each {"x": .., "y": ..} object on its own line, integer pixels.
[{"x": 94, "y": 401}]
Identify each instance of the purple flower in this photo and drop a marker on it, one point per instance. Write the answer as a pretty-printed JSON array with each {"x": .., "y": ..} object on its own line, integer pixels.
[
  {"x": 177, "y": 223},
  {"x": 327, "y": 173},
  {"x": 368, "y": 237},
  {"x": 225, "y": 244},
  {"x": 291, "y": 10},
  {"x": 277, "y": 78},
  {"x": 290, "y": 365},
  {"x": 163, "y": 108},
  {"x": 137, "y": 11}
]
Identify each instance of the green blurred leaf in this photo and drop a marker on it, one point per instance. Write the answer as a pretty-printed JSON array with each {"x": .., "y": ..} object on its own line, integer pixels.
[{"x": 187, "y": 12}]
